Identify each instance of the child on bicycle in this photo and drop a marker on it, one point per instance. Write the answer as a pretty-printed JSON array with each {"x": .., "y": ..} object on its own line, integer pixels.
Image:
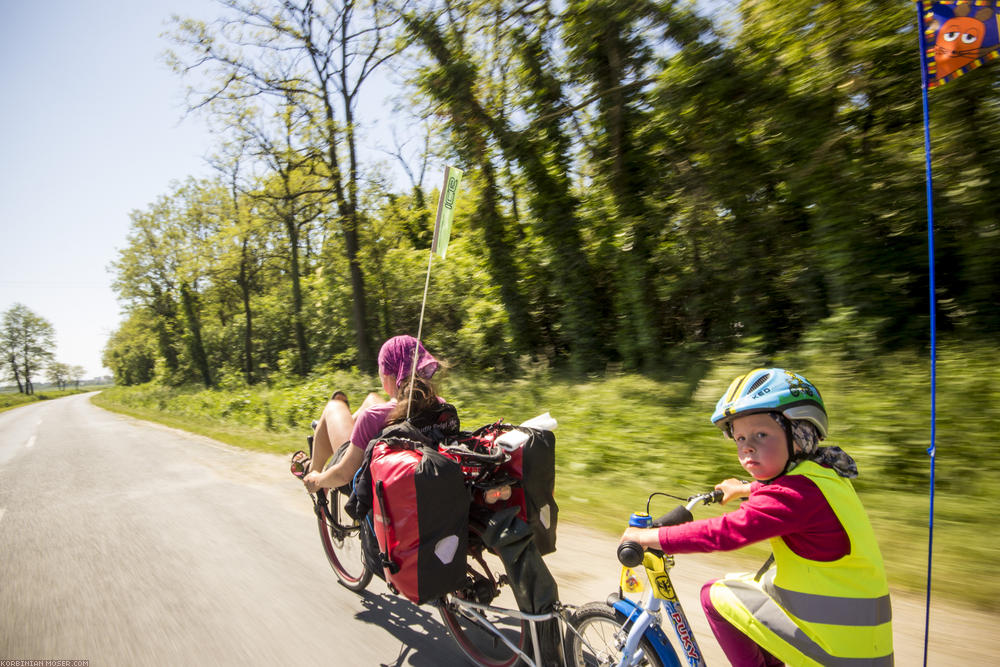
[
  {"x": 826, "y": 600},
  {"x": 337, "y": 425}
]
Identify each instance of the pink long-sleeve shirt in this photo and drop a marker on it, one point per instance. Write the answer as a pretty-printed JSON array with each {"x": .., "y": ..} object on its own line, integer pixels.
[{"x": 791, "y": 507}]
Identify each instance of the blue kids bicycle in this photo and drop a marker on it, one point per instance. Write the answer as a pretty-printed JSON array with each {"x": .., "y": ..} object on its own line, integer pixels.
[{"x": 626, "y": 633}]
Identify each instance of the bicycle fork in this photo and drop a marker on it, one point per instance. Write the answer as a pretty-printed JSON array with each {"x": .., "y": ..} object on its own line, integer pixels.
[{"x": 645, "y": 620}]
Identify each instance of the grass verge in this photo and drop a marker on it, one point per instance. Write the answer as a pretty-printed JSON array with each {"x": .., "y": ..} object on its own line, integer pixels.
[{"x": 623, "y": 436}]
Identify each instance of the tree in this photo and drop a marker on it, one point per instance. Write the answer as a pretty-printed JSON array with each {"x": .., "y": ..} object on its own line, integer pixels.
[
  {"x": 28, "y": 341},
  {"x": 611, "y": 52},
  {"x": 131, "y": 351},
  {"x": 541, "y": 153},
  {"x": 318, "y": 59},
  {"x": 76, "y": 374},
  {"x": 162, "y": 270},
  {"x": 58, "y": 373},
  {"x": 243, "y": 248},
  {"x": 294, "y": 196}
]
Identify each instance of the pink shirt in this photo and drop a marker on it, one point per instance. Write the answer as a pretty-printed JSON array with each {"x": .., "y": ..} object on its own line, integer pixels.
[
  {"x": 370, "y": 422},
  {"x": 791, "y": 507}
]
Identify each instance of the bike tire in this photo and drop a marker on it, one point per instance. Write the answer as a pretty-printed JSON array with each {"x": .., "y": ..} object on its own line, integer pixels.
[
  {"x": 479, "y": 644},
  {"x": 603, "y": 629},
  {"x": 342, "y": 544}
]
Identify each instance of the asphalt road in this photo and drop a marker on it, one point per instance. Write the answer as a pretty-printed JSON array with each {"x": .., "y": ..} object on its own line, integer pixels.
[{"x": 127, "y": 543}]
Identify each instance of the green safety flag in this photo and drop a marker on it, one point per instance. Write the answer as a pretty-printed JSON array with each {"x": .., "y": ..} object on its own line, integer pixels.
[{"x": 446, "y": 210}]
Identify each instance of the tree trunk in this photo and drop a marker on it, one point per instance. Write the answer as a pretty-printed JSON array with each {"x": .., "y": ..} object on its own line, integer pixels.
[
  {"x": 347, "y": 206},
  {"x": 166, "y": 315},
  {"x": 244, "y": 283},
  {"x": 501, "y": 262},
  {"x": 195, "y": 344},
  {"x": 17, "y": 372},
  {"x": 299, "y": 326},
  {"x": 29, "y": 387}
]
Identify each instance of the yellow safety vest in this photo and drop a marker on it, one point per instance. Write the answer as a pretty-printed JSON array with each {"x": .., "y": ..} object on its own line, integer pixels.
[{"x": 807, "y": 612}]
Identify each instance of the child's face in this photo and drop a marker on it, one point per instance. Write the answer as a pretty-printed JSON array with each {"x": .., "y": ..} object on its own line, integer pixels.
[{"x": 761, "y": 445}]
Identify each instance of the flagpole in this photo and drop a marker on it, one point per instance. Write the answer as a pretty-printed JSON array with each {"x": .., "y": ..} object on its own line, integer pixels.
[
  {"x": 933, "y": 298},
  {"x": 439, "y": 246},
  {"x": 420, "y": 331}
]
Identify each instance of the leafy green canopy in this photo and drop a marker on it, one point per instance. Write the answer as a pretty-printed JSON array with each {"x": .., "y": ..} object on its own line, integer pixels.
[{"x": 645, "y": 186}]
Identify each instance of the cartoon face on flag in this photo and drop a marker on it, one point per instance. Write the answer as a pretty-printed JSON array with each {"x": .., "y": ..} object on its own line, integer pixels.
[{"x": 959, "y": 35}]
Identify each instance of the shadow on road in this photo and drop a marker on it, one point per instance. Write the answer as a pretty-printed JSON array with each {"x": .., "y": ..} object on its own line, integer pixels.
[{"x": 424, "y": 640}]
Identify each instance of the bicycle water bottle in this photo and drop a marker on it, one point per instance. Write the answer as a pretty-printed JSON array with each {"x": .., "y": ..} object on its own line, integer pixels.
[{"x": 630, "y": 553}]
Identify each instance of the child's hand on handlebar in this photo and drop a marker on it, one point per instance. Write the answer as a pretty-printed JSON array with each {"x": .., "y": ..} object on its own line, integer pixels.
[
  {"x": 733, "y": 488},
  {"x": 647, "y": 538}
]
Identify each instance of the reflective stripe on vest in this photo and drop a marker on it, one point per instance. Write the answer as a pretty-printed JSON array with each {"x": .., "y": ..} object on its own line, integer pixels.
[
  {"x": 770, "y": 613},
  {"x": 829, "y": 609},
  {"x": 804, "y": 611}
]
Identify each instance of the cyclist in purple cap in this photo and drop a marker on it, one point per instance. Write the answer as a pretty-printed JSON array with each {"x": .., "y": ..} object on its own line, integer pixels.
[{"x": 338, "y": 425}]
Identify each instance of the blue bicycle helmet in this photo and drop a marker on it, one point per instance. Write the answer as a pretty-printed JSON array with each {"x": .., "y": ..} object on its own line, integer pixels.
[{"x": 771, "y": 390}]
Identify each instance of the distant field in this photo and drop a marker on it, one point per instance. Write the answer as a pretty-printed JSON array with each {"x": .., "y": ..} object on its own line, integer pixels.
[{"x": 14, "y": 399}]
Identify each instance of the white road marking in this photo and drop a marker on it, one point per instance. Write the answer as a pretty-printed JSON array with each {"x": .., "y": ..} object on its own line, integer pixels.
[
  {"x": 31, "y": 442},
  {"x": 2, "y": 511}
]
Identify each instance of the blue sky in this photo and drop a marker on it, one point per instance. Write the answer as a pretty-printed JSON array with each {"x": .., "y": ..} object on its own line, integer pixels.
[{"x": 90, "y": 129}]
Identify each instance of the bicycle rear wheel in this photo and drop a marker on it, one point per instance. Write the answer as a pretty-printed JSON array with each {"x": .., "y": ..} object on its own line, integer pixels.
[
  {"x": 479, "y": 643},
  {"x": 602, "y": 638},
  {"x": 341, "y": 539}
]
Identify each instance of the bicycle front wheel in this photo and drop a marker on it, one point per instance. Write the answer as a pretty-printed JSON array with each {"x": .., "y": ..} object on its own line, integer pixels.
[
  {"x": 478, "y": 642},
  {"x": 601, "y": 638},
  {"x": 342, "y": 543}
]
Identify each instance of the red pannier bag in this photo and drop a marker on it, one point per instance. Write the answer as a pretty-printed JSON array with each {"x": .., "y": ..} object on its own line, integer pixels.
[{"x": 420, "y": 516}]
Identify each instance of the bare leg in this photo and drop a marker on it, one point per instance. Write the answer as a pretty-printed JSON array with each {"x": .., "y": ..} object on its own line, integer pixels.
[{"x": 334, "y": 429}]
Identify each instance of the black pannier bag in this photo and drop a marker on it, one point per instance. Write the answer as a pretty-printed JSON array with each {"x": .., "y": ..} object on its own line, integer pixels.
[{"x": 534, "y": 465}]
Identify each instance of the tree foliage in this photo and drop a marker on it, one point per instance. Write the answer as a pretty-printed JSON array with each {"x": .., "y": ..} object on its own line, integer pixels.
[
  {"x": 642, "y": 182},
  {"x": 28, "y": 344}
]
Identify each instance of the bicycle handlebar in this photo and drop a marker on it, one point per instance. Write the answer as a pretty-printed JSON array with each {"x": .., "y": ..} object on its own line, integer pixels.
[{"x": 630, "y": 553}]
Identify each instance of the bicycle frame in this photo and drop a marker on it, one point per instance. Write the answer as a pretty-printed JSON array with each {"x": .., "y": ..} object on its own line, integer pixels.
[{"x": 472, "y": 609}]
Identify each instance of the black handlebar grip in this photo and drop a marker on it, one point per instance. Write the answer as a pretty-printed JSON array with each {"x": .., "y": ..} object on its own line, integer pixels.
[
  {"x": 674, "y": 517},
  {"x": 630, "y": 554}
]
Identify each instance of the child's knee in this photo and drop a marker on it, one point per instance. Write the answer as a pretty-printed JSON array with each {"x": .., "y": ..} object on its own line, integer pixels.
[{"x": 706, "y": 598}]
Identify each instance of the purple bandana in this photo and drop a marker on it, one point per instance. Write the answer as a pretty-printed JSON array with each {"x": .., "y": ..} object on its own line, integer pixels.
[{"x": 396, "y": 359}]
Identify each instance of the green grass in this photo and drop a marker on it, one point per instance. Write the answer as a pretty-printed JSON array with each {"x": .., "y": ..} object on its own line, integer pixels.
[{"x": 623, "y": 436}]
